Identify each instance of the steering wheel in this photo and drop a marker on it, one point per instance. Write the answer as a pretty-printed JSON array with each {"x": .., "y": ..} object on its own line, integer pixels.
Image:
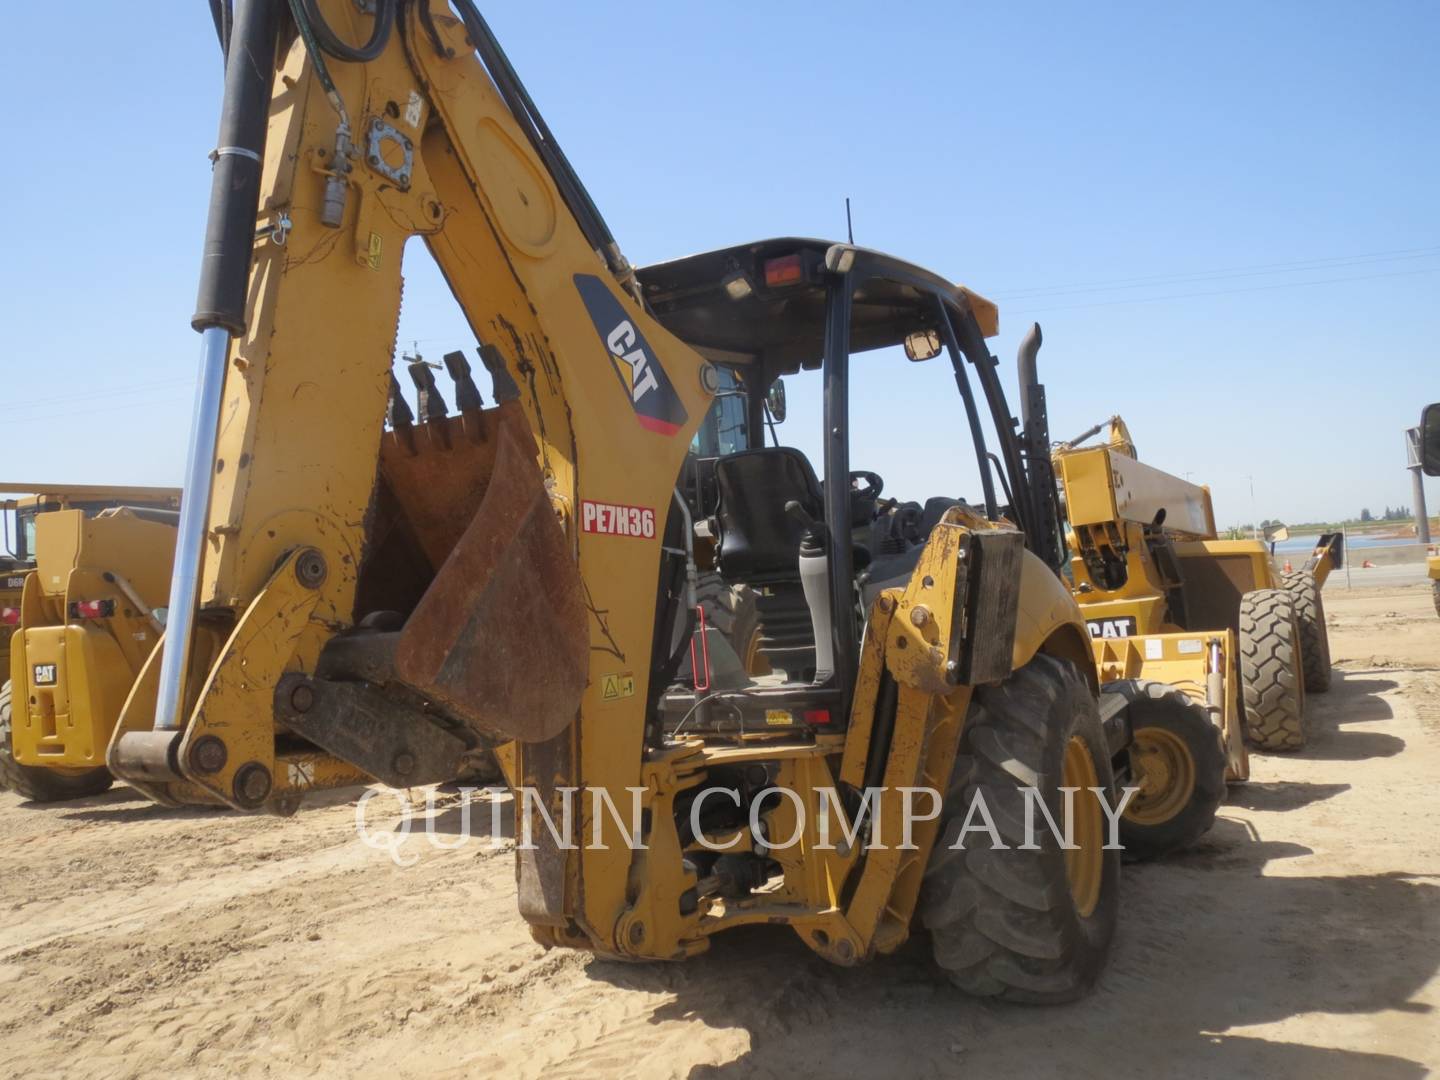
[{"x": 865, "y": 486}]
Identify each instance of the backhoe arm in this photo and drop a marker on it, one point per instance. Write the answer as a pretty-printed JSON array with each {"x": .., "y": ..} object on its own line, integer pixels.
[{"x": 401, "y": 598}]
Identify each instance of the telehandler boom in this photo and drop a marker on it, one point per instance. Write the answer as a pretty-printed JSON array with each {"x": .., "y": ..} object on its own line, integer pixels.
[{"x": 353, "y": 599}]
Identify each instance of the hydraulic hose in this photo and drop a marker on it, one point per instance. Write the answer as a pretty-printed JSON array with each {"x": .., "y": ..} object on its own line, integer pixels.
[
  {"x": 341, "y": 50},
  {"x": 224, "y": 16}
]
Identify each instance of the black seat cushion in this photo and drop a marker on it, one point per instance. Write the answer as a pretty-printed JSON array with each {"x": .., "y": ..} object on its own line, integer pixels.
[{"x": 759, "y": 543}]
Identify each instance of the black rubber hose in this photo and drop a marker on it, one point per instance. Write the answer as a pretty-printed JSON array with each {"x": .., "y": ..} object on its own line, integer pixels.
[
  {"x": 235, "y": 183},
  {"x": 224, "y": 17},
  {"x": 342, "y": 50}
]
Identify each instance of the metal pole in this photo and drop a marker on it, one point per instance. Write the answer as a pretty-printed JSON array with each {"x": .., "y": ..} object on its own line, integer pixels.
[
  {"x": 1345, "y": 539},
  {"x": 1417, "y": 486},
  {"x": 1422, "y": 514},
  {"x": 1254, "y": 519}
]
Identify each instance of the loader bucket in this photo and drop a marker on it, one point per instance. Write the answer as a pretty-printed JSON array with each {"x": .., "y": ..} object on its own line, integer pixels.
[{"x": 499, "y": 638}]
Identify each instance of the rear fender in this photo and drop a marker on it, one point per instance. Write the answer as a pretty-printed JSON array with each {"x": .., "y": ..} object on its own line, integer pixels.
[{"x": 1049, "y": 620}]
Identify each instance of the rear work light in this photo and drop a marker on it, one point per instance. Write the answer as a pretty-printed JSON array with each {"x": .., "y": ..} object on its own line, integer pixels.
[
  {"x": 786, "y": 270},
  {"x": 92, "y": 609},
  {"x": 9, "y": 616}
]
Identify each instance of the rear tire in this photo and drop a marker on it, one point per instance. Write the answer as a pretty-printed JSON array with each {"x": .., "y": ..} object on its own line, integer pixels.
[
  {"x": 1314, "y": 639},
  {"x": 1272, "y": 684},
  {"x": 1026, "y": 925},
  {"x": 732, "y": 610},
  {"x": 1178, "y": 760},
  {"x": 43, "y": 785}
]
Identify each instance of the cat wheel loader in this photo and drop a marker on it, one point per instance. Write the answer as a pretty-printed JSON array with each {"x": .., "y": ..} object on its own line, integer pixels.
[
  {"x": 1229, "y": 646},
  {"x": 85, "y": 606},
  {"x": 355, "y": 599}
]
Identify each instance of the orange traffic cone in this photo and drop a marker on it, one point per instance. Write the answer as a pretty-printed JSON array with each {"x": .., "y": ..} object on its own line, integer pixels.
[
  {"x": 1367, "y": 565},
  {"x": 1288, "y": 567}
]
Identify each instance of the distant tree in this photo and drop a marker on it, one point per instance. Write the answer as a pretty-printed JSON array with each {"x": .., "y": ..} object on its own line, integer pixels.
[{"x": 1365, "y": 515}]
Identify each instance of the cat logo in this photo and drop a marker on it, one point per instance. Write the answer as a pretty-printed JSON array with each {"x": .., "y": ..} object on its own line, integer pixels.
[
  {"x": 1111, "y": 628},
  {"x": 657, "y": 406},
  {"x": 45, "y": 675}
]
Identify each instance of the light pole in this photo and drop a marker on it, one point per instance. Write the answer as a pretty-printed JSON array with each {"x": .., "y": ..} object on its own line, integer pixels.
[
  {"x": 1417, "y": 482},
  {"x": 1254, "y": 519}
]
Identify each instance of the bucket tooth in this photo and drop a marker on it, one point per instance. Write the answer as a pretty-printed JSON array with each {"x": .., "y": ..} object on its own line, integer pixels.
[
  {"x": 432, "y": 403},
  {"x": 502, "y": 384},
  {"x": 399, "y": 416},
  {"x": 467, "y": 395}
]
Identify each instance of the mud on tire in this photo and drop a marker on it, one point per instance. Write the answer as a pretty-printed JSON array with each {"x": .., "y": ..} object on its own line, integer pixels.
[
  {"x": 1314, "y": 639},
  {"x": 1272, "y": 684},
  {"x": 43, "y": 785},
  {"x": 1007, "y": 923}
]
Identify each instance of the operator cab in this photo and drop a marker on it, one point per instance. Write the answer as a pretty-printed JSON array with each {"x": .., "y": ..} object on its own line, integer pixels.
[{"x": 815, "y": 552}]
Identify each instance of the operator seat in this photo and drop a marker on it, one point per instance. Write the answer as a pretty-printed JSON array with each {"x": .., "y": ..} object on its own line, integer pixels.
[
  {"x": 759, "y": 541},
  {"x": 758, "y": 544}
]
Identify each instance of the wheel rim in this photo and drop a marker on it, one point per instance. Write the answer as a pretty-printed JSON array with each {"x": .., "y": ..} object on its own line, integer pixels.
[
  {"x": 1166, "y": 775},
  {"x": 1085, "y": 862}
]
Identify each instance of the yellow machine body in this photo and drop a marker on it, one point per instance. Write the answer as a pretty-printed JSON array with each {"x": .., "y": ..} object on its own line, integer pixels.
[
  {"x": 87, "y": 625},
  {"x": 92, "y": 498},
  {"x": 1143, "y": 546},
  {"x": 304, "y": 469}
]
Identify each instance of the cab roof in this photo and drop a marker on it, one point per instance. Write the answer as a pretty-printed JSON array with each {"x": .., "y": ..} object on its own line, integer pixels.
[{"x": 725, "y": 305}]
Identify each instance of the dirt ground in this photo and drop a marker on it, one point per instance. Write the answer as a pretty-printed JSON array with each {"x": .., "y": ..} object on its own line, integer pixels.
[{"x": 1301, "y": 938}]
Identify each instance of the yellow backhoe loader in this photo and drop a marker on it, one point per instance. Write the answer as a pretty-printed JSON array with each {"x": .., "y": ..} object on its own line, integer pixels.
[
  {"x": 356, "y": 599},
  {"x": 1161, "y": 593},
  {"x": 88, "y": 585}
]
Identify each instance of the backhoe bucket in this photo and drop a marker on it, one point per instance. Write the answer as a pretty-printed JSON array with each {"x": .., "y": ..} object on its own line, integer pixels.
[{"x": 499, "y": 638}]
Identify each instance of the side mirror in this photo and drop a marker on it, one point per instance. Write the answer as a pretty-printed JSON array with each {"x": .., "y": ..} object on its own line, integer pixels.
[
  {"x": 922, "y": 345},
  {"x": 1275, "y": 534},
  {"x": 1430, "y": 440},
  {"x": 775, "y": 400}
]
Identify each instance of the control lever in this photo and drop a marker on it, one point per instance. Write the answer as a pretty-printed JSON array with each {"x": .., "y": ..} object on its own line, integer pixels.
[
  {"x": 800, "y": 514},
  {"x": 815, "y": 582}
]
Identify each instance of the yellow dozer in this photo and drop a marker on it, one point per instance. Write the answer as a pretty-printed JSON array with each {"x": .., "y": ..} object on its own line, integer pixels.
[
  {"x": 356, "y": 599},
  {"x": 1159, "y": 589},
  {"x": 85, "y": 615}
]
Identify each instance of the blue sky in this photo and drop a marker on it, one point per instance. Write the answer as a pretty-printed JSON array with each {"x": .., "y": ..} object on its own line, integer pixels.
[{"x": 1223, "y": 215}]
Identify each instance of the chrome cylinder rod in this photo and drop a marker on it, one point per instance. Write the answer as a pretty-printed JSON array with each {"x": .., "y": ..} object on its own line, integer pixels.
[{"x": 190, "y": 543}]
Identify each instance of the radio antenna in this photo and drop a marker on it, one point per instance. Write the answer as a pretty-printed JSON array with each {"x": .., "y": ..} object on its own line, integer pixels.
[{"x": 849, "y": 225}]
